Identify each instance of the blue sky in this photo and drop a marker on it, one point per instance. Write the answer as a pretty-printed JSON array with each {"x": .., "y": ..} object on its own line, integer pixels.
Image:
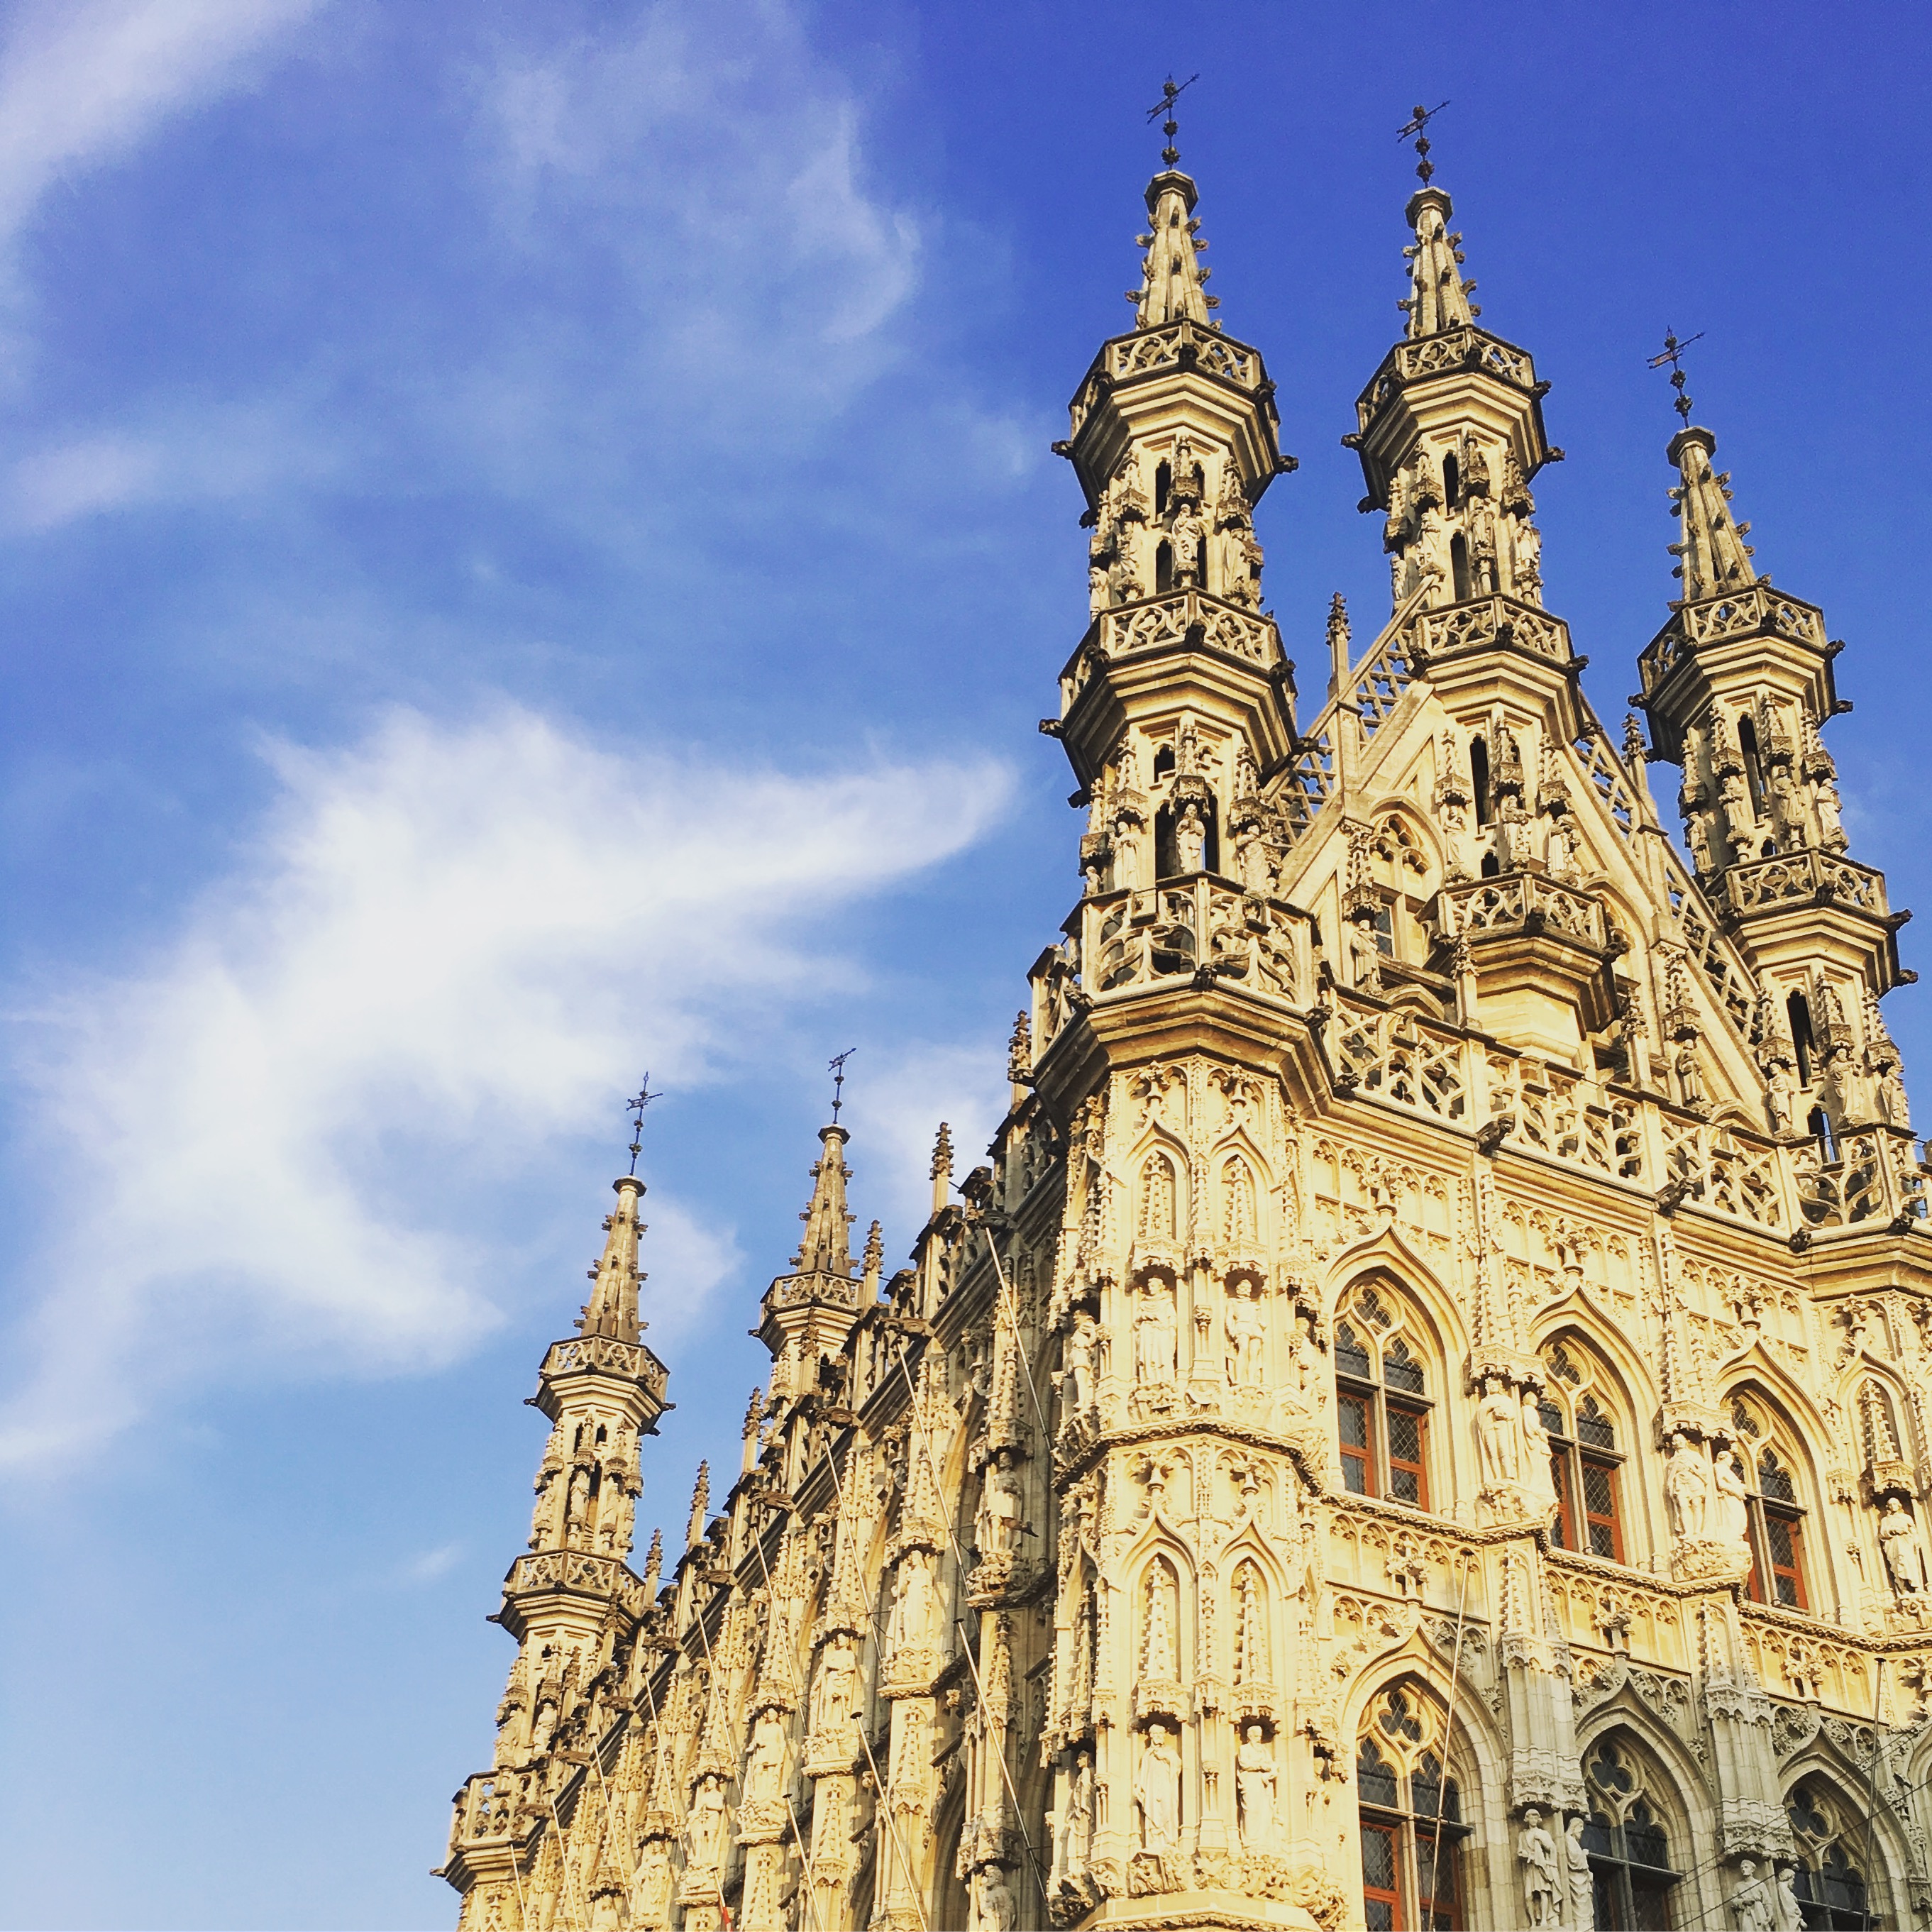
[{"x": 528, "y": 551}]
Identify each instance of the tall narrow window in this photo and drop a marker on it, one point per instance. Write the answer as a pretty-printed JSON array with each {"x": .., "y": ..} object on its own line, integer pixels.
[
  {"x": 1753, "y": 765},
  {"x": 1411, "y": 1816},
  {"x": 1584, "y": 1458},
  {"x": 1479, "y": 777},
  {"x": 1774, "y": 1513},
  {"x": 1458, "y": 562},
  {"x": 1629, "y": 1848},
  {"x": 1798, "y": 1010},
  {"x": 1163, "y": 568},
  {"x": 1163, "y": 488},
  {"x": 1452, "y": 481},
  {"x": 1381, "y": 1405},
  {"x": 1832, "y": 1842}
]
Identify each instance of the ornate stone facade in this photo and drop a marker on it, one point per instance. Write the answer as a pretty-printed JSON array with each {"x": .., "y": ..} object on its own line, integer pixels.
[{"x": 1422, "y": 1419}]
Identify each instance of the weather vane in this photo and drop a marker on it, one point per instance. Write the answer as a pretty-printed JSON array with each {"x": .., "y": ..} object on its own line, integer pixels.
[
  {"x": 1169, "y": 94},
  {"x": 1673, "y": 353},
  {"x": 1417, "y": 126},
  {"x": 635, "y": 1106},
  {"x": 836, "y": 1068}
]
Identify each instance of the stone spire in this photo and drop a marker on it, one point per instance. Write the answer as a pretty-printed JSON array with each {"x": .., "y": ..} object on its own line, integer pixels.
[
  {"x": 612, "y": 1308},
  {"x": 825, "y": 1249},
  {"x": 1438, "y": 297},
  {"x": 1713, "y": 557},
  {"x": 1173, "y": 281},
  {"x": 807, "y": 1315},
  {"x": 1450, "y": 432}
]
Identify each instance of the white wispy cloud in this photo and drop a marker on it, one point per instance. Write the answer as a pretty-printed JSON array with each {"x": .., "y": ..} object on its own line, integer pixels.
[
  {"x": 82, "y": 82},
  {"x": 444, "y": 944}
]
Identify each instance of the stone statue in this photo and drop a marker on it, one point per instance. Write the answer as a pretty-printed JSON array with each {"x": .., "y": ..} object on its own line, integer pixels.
[
  {"x": 993, "y": 1895},
  {"x": 764, "y": 1768},
  {"x": 1786, "y": 1914},
  {"x": 1499, "y": 1434},
  {"x": 1831, "y": 825},
  {"x": 912, "y": 1609},
  {"x": 1126, "y": 853},
  {"x": 1255, "y": 1777},
  {"x": 1781, "y": 1097},
  {"x": 1904, "y": 1555},
  {"x": 1687, "y": 1489},
  {"x": 1155, "y": 1334},
  {"x": 1751, "y": 1900},
  {"x": 1583, "y": 1884},
  {"x": 706, "y": 1821},
  {"x": 1537, "y": 1476},
  {"x": 999, "y": 1521},
  {"x": 1247, "y": 1339},
  {"x": 1080, "y": 1375},
  {"x": 837, "y": 1679},
  {"x": 1157, "y": 1790},
  {"x": 1190, "y": 839},
  {"x": 1073, "y": 1846},
  {"x": 1251, "y": 865},
  {"x": 1542, "y": 1883},
  {"x": 1733, "y": 1514}
]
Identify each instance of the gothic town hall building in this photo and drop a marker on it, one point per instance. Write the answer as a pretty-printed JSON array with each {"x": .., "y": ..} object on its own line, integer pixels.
[{"x": 1423, "y": 1421}]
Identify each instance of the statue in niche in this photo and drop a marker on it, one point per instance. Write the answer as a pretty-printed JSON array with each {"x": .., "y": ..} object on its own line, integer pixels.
[
  {"x": 1538, "y": 1476},
  {"x": 1687, "y": 1489},
  {"x": 997, "y": 1528},
  {"x": 1831, "y": 824},
  {"x": 838, "y": 1684},
  {"x": 1542, "y": 1884},
  {"x": 1082, "y": 1356},
  {"x": 1697, "y": 833},
  {"x": 1126, "y": 852},
  {"x": 1251, "y": 864},
  {"x": 1161, "y": 1662},
  {"x": 1073, "y": 1839},
  {"x": 1157, "y": 1790},
  {"x": 654, "y": 1876},
  {"x": 1751, "y": 1900},
  {"x": 1255, "y": 1779},
  {"x": 993, "y": 1900},
  {"x": 1733, "y": 1510},
  {"x": 1190, "y": 537},
  {"x": 1155, "y": 1333},
  {"x": 1190, "y": 839},
  {"x": 1786, "y": 1914},
  {"x": 1527, "y": 543},
  {"x": 1904, "y": 1555},
  {"x": 1582, "y": 1885},
  {"x": 544, "y": 1727},
  {"x": 764, "y": 1768},
  {"x": 912, "y": 1609},
  {"x": 1781, "y": 1097},
  {"x": 705, "y": 1823},
  {"x": 1499, "y": 1434},
  {"x": 1247, "y": 1337}
]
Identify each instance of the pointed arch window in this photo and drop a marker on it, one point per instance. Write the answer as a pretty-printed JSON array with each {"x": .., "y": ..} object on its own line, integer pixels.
[
  {"x": 1774, "y": 1510},
  {"x": 1382, "y": 1404},
  {"x": 1753, "y": 765},
  {"x": 1628, "y": 1844},
  {"x": 1585, "y": 1459},
  {"x": 1411, "y": 1816},
  {"x": 1459, "y": 563},
  {"x": 1479, "y": 776},
  {"x": 1798, "y": 1011},
  {"x": 1830, "y": 1840}
]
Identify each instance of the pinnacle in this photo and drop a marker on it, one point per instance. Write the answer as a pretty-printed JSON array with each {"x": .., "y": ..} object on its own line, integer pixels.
[
  {"x": 1173, "y": 281},
  {"x": 612, "y": 1308}
]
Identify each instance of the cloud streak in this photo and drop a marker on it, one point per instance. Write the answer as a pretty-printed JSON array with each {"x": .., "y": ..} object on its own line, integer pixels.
[
  {"x": 444, "y": 946},
  {"x": 80, "y": 85}
]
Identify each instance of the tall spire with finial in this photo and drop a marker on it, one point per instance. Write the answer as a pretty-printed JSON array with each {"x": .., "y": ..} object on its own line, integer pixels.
[
  {"x": 807, "y": 1314},
  {"x": 1173, "y": 282},
  {"x": 1712, "y": 555},
  {"x": 1449, "y": 431}
]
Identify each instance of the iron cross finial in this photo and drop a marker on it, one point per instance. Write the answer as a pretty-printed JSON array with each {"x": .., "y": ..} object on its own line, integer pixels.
[
  {"x": 1417, "y": 127},
  {"x": 836, "y": 1068},
  {"x": 1673, "y": 354},
  {"x": 1169, "y": 93},
  {"x": 635, "y": 1106}
]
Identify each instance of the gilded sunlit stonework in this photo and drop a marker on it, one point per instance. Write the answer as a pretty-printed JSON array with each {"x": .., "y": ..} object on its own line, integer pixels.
[{"x": 1422, "y": 1420}]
